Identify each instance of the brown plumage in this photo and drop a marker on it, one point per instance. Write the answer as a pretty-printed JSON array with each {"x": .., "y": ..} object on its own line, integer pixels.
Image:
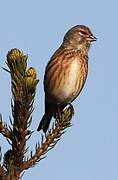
[{"x": 66, "y": 72}]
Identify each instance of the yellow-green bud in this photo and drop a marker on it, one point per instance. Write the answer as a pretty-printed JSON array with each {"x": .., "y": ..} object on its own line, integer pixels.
[
  {"x": 16, "y": 61},
  {"x": 14, "y": 54},
  {"x": 30, "y": 79}
]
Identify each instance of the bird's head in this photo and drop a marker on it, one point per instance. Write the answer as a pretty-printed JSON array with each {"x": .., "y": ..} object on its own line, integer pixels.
[{"x": 79, "y": 37}]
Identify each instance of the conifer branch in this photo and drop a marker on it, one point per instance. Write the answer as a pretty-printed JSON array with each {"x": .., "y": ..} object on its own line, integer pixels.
[
  {"x": 4, "y": 129},
  {"x": 23, "y": 87},
  {"x": 49, "y": 140}
]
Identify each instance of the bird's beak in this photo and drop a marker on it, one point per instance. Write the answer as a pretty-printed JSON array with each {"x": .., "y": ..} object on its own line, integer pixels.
[{"x": 92, "y": 38}]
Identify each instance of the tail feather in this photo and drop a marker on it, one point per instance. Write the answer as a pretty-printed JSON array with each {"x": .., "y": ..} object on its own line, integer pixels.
[{"x": 45, "y": 122}]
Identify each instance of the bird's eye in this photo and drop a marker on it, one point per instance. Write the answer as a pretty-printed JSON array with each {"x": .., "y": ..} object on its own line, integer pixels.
[{"x": 83, "y": 33}]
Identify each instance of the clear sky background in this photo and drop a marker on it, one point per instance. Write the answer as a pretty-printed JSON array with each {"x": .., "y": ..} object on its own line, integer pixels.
[{"x": 89, "y": 149}]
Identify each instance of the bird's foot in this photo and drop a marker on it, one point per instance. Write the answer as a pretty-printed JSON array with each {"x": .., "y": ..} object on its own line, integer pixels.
[
  {"x": 60, "y": 110},
  {"x": 72, "y": 108}
]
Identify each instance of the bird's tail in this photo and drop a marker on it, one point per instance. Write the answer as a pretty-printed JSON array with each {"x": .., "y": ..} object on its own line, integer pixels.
[{"x": 45, "y": 122}]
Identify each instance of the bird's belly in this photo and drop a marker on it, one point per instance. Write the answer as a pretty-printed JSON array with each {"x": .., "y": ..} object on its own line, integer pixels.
[{"x": 68, "y": 87}]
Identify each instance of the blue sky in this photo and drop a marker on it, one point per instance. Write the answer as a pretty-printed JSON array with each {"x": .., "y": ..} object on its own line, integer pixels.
[{"x": 89, "y": 149}]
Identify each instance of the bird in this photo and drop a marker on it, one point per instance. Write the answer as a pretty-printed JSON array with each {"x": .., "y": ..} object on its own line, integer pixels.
[{"x": 66, "y": 72}]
